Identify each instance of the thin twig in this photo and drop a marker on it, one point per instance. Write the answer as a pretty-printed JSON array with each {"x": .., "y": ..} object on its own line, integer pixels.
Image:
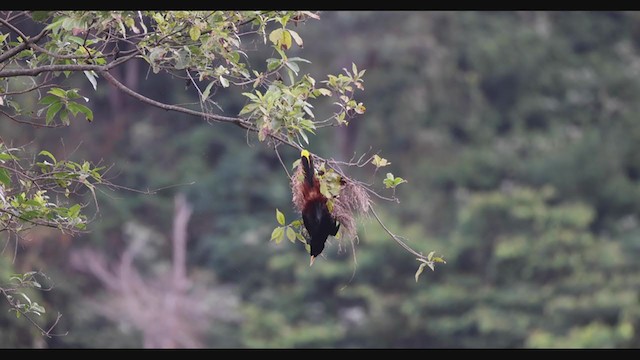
[
  {"x": 397, "y": 238},
  {"x": 44, "y": 332},
  {"x": 13, "y": 118},
  {"x": 275, "y": 148}
]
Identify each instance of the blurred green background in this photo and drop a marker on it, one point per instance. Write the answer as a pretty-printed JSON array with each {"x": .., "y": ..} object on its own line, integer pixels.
[{"x": 519, "y": 134}]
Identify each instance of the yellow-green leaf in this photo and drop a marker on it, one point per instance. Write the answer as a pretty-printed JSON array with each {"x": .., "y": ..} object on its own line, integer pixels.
[
  {"x": 275, "y": 36},
  {"x": 194, "y": 33},
  {"x": 280, "y": 217},
  {"x": 4, "y": 177},
  {"x": 48, "y": 154},
  {"x": 438, "y": 259},
  {"x": 291, "y": 234},
  {"x": 380, "y": 161},
  {"x": 281, "y": 38},
  {"x": 277, "y": 234}
]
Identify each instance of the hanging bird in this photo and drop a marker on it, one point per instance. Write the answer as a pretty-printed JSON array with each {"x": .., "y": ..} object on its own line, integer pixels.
[{"x": 316, "y": 216}]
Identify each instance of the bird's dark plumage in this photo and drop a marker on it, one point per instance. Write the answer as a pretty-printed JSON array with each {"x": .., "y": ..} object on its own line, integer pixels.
[{"x": 316, "y": 216}]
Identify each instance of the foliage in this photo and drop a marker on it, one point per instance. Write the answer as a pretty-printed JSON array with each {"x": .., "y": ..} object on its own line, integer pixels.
[
  {"x": 517, "y": 133},
  {"x": 210, "y": 51}
]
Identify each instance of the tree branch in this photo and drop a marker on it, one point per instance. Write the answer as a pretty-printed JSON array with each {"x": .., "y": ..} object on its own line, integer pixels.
[
  {"x": 53, "y": 68},
  {"x": 397, "y": 238},
  {"x": 44, "y": 332},
  {"x": 120, "y": 86},
  {"x": 13, "y": 51},
  {"x": 243, "y": 123},
  {"x": 13, "y": 118}
]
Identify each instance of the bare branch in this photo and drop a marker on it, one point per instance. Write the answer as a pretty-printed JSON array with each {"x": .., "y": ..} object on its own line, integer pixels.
[
  {"x": 275, "y": 148},
  {"x": 27, "y": 90},
  {"x": 397, "y": 238}
]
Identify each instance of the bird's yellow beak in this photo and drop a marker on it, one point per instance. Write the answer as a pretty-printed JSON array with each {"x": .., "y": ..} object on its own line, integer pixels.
[
  {"x": 305, "y": 153},
  {"x": 313, "y": 258}
]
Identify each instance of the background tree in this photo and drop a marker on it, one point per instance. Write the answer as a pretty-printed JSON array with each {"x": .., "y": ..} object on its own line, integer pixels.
[
  {"x": 209, "y": 52},
  {"x": 517, "y": 132}
]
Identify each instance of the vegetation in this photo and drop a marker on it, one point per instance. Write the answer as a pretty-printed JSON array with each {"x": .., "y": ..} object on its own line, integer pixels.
[{"x": 515, "y": 135}]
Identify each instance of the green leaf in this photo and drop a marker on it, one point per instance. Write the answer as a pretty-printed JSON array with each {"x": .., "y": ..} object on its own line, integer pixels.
[
  {"x": 420, "y": 270},
  {"x": 299, "y": 59},
  {"x": 194, "y": 33},
  {"x": 73, "y": 94},
  {"x": 280, "y": 217},
  {"x": 5, "y": 178},
  {"x": 304, "y": 136},
  {"x": 325, "y": 92},
  {"x": 391, "y": 182},
  {"x": 123, "y": 30},
  {"x": 207, "y": 91},
  {"x": 295, "y": 164},
  {"x": 37, "y": 308},
  {"x": 49, "y": 99},
  {"x": 75, "y": 39},
  {"x": 293, "y": 66},
  {"x": 224, "y": 82},
  {"x": 52, "y": 111},
  {"x": 58, "y": 92},
  {"x": 7, "y": 156},
  {"x": 39, "y": 15},
  {"x": 156, "y": 54},
  {"x": 158, "y": 18},
  {"x": 273, "y": 63},
  {"x": 55, "y": 25},
  {"x": 397, "y": 181},
  {"x": 182, "y": 57},
  {"x": 26, "y": 297},
  {"x": 75, "y": 108},
  {"x": 438, "y": 259},
  {"x": 277, "y": 234},
  {"x": 64, "y": 116},
  {"x": 296, "y": 38},
  {"x": 74, "y": 211},
  {"x": 291, "y": 234}
]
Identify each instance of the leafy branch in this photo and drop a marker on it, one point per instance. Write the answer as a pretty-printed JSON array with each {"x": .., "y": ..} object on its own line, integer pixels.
[
  {"x": 208, "y": 49},
  {"x": 22, "y": 305}
]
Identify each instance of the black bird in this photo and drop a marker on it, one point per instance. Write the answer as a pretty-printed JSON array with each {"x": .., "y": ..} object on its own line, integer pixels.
[{"x": 316, "y": 216}]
